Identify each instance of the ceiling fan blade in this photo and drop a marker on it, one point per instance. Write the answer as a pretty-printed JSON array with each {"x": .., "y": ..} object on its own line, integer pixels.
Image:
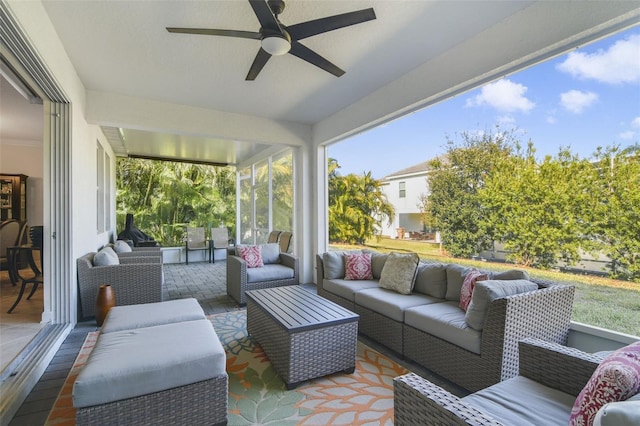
[
  {"x": 265, "y": 15},
  {"x": 323, "y": 25},
  {"x": 258, "y": 63},
  {"x": 312, "y": 57},
  {"x": 206, "y": 31}
]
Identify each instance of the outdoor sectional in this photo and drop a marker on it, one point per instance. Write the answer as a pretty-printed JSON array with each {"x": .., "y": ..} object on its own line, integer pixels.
[{"x": 429, "y": 327}]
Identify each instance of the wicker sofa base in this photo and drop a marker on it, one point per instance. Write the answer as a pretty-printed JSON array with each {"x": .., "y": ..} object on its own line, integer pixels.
[
  {"x": 381, "y": 328},
  {"x": 195, "y": 404}
]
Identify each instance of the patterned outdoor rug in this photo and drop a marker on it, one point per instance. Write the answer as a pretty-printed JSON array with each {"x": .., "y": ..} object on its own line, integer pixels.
[{"x": 257, "y": 395}]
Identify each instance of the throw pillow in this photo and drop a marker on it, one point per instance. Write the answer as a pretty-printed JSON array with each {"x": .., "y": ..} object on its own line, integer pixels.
[
  {"x": 106, "y": 257},
  {"x": 621, "y": 413},
  {"x": 487, "y": 291},
  {"x": 399, "y": 272},
  {"x": 511, "y": 274},
  {"x": 251, "y": 255},
  {"x": 468, "y": 285},
  {"x": 357, "y": 266},
  {"x": 270, "y": 253},
  {"x": 432, "y": 280},
  {"x": 617, "y": 378},
  {"x": 122, "y": 247}
]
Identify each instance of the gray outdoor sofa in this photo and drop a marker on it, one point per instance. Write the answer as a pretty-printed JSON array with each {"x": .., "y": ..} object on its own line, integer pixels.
[
  {"x": 280, "y": 269},
  {"x": 550, "y": 378},
  {"x": 432, "y": 330}
]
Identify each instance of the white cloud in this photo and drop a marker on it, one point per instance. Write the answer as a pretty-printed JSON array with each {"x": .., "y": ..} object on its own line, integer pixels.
[
  {"x": 551, "y": 119},
  {"x": 627, "y": 135},
  {"x": 576, "y": 101},
  {"x": 617, "y": 65},
  {"x": 503, "y": 95},
  {"x": 635, "y": 122},
  {"x": 506, "y": 120}
]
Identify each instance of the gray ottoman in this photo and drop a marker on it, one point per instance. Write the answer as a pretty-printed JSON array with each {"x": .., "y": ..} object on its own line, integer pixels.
[{"x": 162, "y": 375}]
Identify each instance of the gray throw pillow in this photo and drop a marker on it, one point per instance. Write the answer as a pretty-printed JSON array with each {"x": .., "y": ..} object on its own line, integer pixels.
[
  {"x": 270, "y": 253},
  {"x": 455, "y": 277},
  {"x": 122, "y": 247},
  {"x": 622, "y": 413},
  {"x": 399, "y": 272},
  {"x": 432, "y": 280},
  {"x": 106, "y": 257},
  {"x": 487, "y": 291},
  {"x": 333, "y": 262}
]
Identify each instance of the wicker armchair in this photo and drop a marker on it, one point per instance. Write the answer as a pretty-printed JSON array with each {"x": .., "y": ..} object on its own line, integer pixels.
[
  {"x": 238, "y": 282},
  {"x": 135, "y": 280},
  {"x": 565, "y": 370}
]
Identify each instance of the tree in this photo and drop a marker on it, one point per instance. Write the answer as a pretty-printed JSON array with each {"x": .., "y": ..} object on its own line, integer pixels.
[
  {"x": 357, "y": 206},
  {"x": 538, "y": 210},
  {"x": 615, "y": 211},
  {"x": 164, "y": 196},
  {"x": 454, "y": 180}
]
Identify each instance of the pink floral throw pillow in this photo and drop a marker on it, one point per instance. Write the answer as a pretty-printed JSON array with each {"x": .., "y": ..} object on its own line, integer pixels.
[
  {"x": 251, "y": 255},
  {"x": 468, "y": 285},
  {"x": 617, "y": 378},
  {"x": 357, "y": 266}
]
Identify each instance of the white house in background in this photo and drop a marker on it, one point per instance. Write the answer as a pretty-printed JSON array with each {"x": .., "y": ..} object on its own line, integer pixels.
[{"x": 404, "y": 190}]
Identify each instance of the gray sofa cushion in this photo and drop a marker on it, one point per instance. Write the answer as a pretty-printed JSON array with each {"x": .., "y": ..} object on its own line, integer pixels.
[
  {"x": 270, "y": 253},
  {"x": 130, "y": 363},
  {"x": 150, "y": 314},
  {"x": 121, "y": 246},
  {"x": 455, "y": 278},
  {"x": 623, "y": 413},
  {"x": 521, "y": 401},
  {"x": 511, "y": 274},
  {"x": 348, "y": 289},
  {"x": 432, "y": 280},
  {"x": 274, "y": 271},
  {"x": 487, "y": 291},
  {"x": 333, "y": 263},
  {"x": 377, "y": 262},
  {"x": 446, "y": 321},
  {"x": 389, "y": 303},
  {"x": 106, "y": 257}
]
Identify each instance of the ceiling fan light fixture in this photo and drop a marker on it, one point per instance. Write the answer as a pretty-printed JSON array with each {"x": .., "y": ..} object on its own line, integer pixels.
[{"x": 276, "y": 44}]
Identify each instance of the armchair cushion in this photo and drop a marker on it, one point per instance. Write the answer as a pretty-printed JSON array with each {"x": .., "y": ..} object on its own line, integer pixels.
[
  {"x": 617, "y": 378},
  {"x": 121, "y": 246},
  {"x": 270, "y": 253},
  {"x": 106, "y": 257},
  {"x": 269, "y": 273}
]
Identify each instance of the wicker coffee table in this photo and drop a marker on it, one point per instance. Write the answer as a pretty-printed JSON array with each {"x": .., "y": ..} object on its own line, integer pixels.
[{"x": 304, "y": 335}]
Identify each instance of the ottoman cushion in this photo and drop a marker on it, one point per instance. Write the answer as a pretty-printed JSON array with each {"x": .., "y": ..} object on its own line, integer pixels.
[
  {"x": 150, "y": 314},
  {"x": 130, "y": 363}
]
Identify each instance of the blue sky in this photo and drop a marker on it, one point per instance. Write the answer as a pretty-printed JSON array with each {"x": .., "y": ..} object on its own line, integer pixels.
[{"x": 587, "y": 98}]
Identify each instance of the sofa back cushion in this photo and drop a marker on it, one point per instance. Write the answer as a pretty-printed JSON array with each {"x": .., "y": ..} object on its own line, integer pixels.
[
  {"x": 455, "y": 278},
  {"x": 511, "y": 274},
  {"x": 487, "y": 291},
  {"x": 377, "y": 262},
  {"x": 121, "y": 246},
  {"x": 432, "y": 280},
  {"x": 399, "y": 272},
  {"x": 270, "y": 253},
  {"x": 333, "y": 264}
]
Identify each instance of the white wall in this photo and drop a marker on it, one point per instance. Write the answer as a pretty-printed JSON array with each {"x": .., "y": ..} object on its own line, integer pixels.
[
  {"x": 407, "y": 207},
  {"x": 25, "y": 157}
]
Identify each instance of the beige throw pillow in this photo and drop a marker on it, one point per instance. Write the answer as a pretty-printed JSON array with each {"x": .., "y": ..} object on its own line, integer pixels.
[{"x": 399, "y": 272}]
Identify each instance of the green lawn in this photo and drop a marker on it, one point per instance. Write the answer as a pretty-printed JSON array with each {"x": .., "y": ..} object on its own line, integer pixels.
[{"x": 602, "y": 302}]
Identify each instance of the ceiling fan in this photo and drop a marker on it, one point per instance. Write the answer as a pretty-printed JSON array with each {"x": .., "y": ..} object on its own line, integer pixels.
[{"x": 277, "y": 39}]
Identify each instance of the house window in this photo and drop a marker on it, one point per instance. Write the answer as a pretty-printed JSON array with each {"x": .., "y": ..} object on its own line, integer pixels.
[{"x": 403, "y": 190}]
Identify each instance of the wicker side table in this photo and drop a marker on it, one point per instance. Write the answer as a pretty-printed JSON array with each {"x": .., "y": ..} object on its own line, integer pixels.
[{"x": 304, "y": 335}]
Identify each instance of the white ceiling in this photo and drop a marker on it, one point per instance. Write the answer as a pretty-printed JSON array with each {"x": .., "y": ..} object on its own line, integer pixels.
[{"x": 415, "y": 53}]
